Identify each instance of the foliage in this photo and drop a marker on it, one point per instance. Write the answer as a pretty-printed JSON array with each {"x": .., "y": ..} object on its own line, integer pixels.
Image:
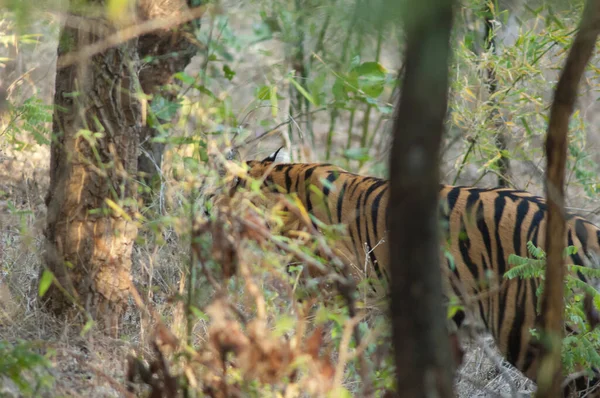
[
  {"x": 26, "y": 368},
  {"x": 29, "y": 120},
  {"x": 580, "y": 347}
]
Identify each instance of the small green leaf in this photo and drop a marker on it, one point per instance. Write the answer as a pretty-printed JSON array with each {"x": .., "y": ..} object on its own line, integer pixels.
[
  {"x": 184, "y": 77},
  {"x": 284, "y": 324},
  {"x": 206, "y": 91},
  {"x": 273, "y": 98},
  {"x": 371, "y": 78},
  {"x": 191, "y": 163},
  {"x": 302, "y": 90},
  {"x": 87, "y": 327},
  {"x": 199, "y": 314},
  {"x": 339, "y": 91},
  {"x": 263, "y": 93},
  {"x": 321, "y": 315},
  {"x": 453, "y": 309},
  {"x": 228, "y": 72},
  {"x": 45, "y": 282},
  {"x": 163, "y": 108},
  {"x": 339, "y": 392},
  {"x": 203, "y": 154},
  {"x": 360, "y": 154}
]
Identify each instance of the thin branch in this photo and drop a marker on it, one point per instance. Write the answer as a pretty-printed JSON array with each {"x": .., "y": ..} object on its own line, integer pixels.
[{"x": 549, "y": 376}]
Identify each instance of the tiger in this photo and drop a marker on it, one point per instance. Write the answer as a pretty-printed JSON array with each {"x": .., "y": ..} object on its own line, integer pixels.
[{"x": 481, "y": 228}]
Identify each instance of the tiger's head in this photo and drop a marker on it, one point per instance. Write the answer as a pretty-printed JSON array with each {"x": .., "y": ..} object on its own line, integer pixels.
[{"x": 251, "y": 177}]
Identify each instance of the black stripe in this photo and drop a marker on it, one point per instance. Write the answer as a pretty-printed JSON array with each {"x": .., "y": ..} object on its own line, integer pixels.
[
  {"x": 375, "y": 213},
  {"x": 522, "y": 209},
  {"x": 340, "y": 202},
  {"x": 288, "y": 179},
  {"x": 530, "y": 354},
  {"x": 372, "y": 188},
  {"x": 582, "y": 234},
  {"x": 307, "y": 174},
  {"x": 357, "y": 220},
  {"x": 331, "y": 178},
  {"x": 488, "y": 316},
  {"x": 452, "y": 197},
  {"x": 575, "y": 257},
  {"x": 487, "y": 241},
  {"x": 371, "y": 252},
  {"x": 534, "y": 228},
  {"x": 514, "y": 337},
  {"x": 499, "y": 205},
  {"x": 464, "y": 244},
  {"x": 483, "y": 229},
  {"x": 297, "y": 185}
]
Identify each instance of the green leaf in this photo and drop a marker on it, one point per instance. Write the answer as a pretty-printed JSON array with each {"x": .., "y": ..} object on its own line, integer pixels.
[
  {"x": 263, "y": 93},
  {"x": 191, "y": 163},
  {"x": 339, "y": 392},
  {"x": 206, "y": 91},
  {"x": 371, "y": 78},
  {"x": 164, "y": 109},
  {"x": 273, "y": 98},
  {"x": 184, "y": 77},
  {"x": 284, "y": 324},
  {"x": 228, "y": 72},
  {"x": 339, "y": 91},
  {"x": 87, "y": 327},
  {"x": 360, "y": 154},
  {"x": 45, "y": 282},
  {"x": 302, "y": 90},
  {"x": 453, "y": 309},
  {"x": 203, "y": 154},
  {"x": 199, "y": 314},
  {"x": 370, "y": 69}
]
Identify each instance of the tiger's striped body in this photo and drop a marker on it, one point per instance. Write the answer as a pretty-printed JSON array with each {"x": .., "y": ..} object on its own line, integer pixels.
[
  {"x": 482, "y": 228},
  {"x": 330, "y": 194}
]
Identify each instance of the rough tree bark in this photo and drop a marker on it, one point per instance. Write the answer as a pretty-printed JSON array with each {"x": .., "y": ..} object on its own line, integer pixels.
[
  {"x": 500, "y": 138},
  {"x": 423, "y": 360},
  {"x": 176, "y": 51},
  {"x": 550, "y": 370},
  {"x": 97, "y": 121}
]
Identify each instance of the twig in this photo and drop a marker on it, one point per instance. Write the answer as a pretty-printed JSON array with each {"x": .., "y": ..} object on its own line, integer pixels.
[
  {"x": 344, "y": 345},
  {"x": 274, "y": 129}
]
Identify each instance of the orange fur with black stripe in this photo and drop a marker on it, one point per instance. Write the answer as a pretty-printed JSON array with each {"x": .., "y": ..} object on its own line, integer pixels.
[{"x": 482, "y": 227}]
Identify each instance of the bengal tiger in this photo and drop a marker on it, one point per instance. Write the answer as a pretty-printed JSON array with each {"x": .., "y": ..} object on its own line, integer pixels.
[{"x": 482, "y": 228}]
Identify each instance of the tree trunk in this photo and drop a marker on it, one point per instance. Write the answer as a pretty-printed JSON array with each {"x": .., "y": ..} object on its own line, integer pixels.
[
  {"x": 177, "y": 51},
  {"x": 92, "y": 202},
  {"x": 423, "y": 359},
  {"x": 500, "y": 138},
  {"x": 550, "y": 374}
]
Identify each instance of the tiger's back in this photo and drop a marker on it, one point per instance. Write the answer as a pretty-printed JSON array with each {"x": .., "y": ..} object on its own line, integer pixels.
[
  {"x": 486, "y": 226},
  {"x": 481, "y": 229}
]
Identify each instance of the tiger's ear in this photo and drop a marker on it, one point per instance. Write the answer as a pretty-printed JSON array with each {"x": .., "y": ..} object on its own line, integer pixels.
[
  {"x": 279, "y": 156},
  {"x": 232, "y": 154},
  {"x": 229, "y": 154}
]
